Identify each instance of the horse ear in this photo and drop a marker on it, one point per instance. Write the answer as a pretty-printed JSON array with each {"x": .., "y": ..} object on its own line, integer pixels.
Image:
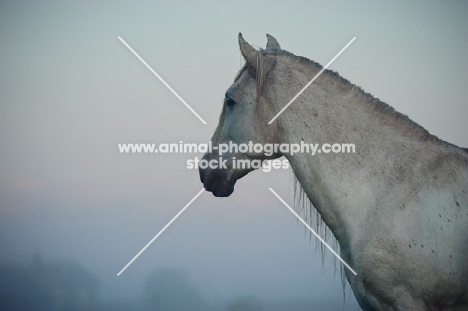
[
  {"x": 249, "y": 53},
  {"x": 272, "y": 42}
]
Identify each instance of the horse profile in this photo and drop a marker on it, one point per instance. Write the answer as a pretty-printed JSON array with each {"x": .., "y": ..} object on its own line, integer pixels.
[{"x": 398, "y": 205}]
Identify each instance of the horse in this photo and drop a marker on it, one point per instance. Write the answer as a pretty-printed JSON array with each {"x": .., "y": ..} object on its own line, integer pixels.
[{"x": 397, "y": 206}]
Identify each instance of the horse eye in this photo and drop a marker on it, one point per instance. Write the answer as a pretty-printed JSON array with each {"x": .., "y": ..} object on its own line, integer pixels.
[{"x": 230, "y": 102}]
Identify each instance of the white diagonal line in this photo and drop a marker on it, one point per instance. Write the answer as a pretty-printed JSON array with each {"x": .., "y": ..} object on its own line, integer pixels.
[
  {"x": 160, "y": 232},
  {"x": 162, "y": 80},
  {"x": 316, "y": 76},
  {"x": 308, "y": 227}
]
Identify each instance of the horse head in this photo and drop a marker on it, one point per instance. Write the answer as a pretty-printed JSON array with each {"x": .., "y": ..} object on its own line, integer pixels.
[{"x": 244, "y": 118}]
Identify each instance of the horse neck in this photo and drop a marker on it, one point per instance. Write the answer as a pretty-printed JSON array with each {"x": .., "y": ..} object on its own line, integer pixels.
[{"x": 345, "y": 188}]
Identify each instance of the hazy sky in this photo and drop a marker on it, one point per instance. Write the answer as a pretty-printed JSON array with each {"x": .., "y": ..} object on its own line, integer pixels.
[{"x": 70, "y": 91}]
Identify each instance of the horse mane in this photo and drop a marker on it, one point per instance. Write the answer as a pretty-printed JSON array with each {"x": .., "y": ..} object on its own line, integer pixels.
[
  {"x": 304, "y": 207},
  {"x": 375, "y": 106}
]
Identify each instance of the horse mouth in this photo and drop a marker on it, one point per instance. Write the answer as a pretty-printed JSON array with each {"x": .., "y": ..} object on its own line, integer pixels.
[
  {"x": 221, "y": 181},
  {"x": 216, "y": 183},
  {"x": 219, "y": 190}
]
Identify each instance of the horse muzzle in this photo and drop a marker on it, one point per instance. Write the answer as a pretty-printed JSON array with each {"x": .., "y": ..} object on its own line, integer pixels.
[{"x": 219, "y": 180}]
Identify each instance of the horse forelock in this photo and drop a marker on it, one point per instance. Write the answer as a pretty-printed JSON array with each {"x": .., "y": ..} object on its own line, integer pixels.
[{"x": 259, "y": 72}]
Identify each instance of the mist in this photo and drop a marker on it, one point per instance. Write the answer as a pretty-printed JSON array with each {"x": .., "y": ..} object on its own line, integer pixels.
[{"x": 74, "y": 210}]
